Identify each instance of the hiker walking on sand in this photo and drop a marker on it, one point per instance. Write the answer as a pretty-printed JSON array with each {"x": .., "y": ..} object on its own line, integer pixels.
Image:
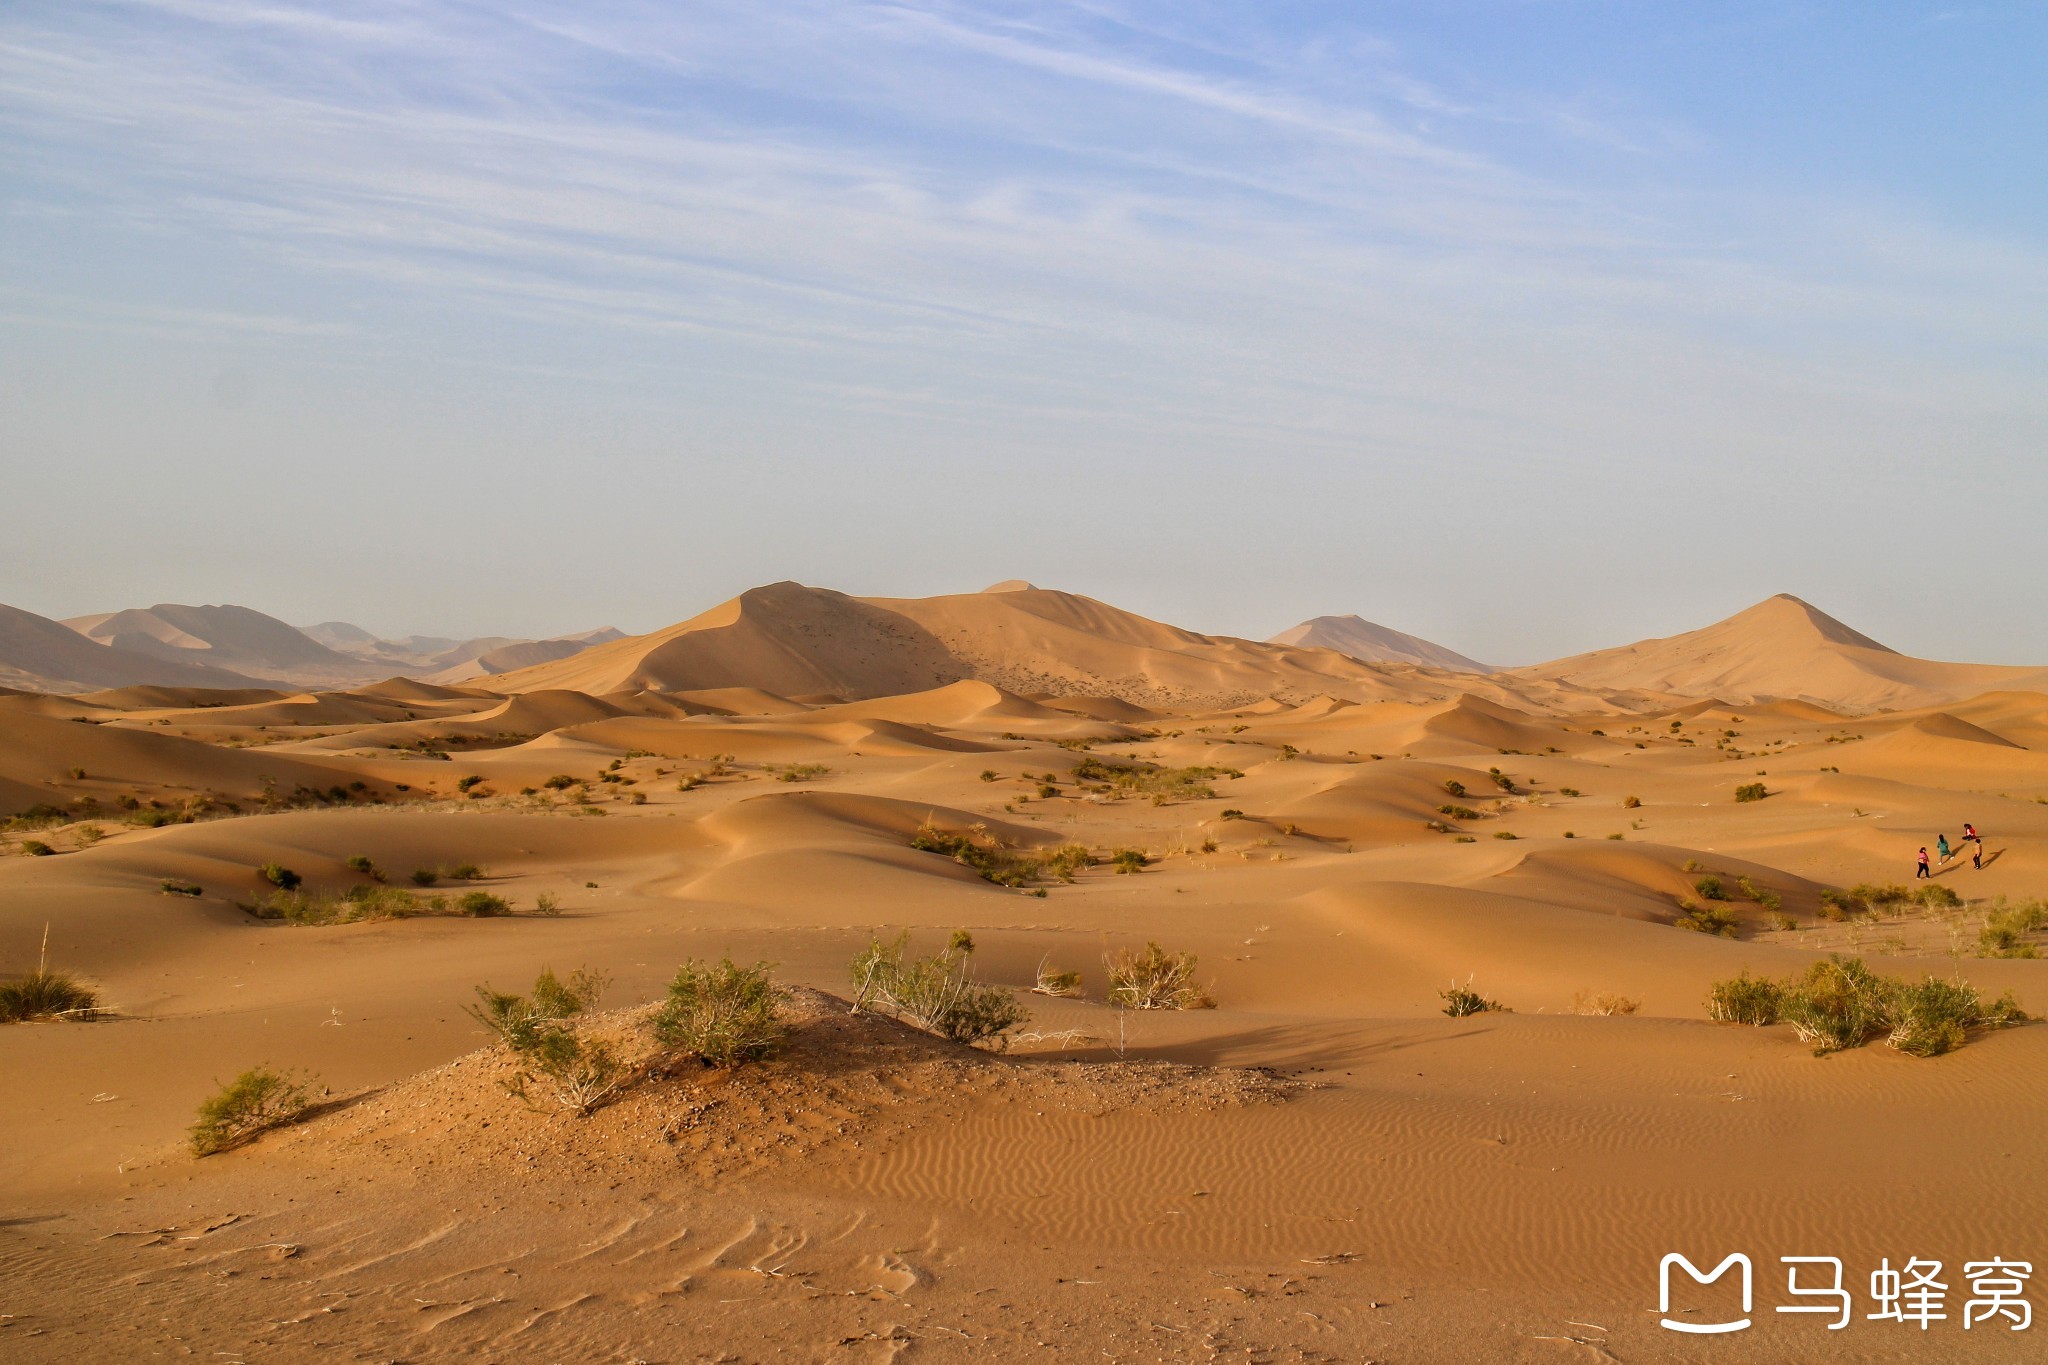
[
  {"x": 1941, "y": 847},
  {"x": 1922, "y": 870},
  {"x": 1976, "y": 847}
]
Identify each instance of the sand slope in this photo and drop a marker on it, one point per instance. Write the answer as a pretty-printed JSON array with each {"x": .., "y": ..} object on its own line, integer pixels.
[{"x": 42, "y": 655}]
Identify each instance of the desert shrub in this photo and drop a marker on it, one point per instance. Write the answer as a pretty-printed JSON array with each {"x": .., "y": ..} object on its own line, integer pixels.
[
  {"x": 723, "y": 1015},
  {"x": 1631, "y": 802},
  {"x": 360, "y": 862},
  {"x": 1877, "y": 895},
  {"x": 1837, "y": 905},
  {"x": 937, "y": 994},
  {"x": 547, "y": 903},
  {"x": 1460, "y": 1001},
  {"x": 1161, "y": 784},
  {"x": 482, "y": 904},
  {"x": 1837, "y": 1004},
  {"x": 997, "y": 863},
  {"x": 1928, "y": 1019},
  {"x": 1458, "y": 812},
  {"x": 571, "y": 1071},
  {"x": 1711, "y": 918},
  {"x": 1710, "y": 888},
  {"x": 1052, "y": 981},
  {"x": 1751, "y": 791},
  {"x": 1454, "y": 787},
  {"x": 2006, "y": 927},
  {"x": 1567, "y": 791},
  {"x": 252, "y": 1103},
  {"x": 559, "y": 782},
  {"x": 1231, "y": 814},
  {"x": 1745, "y": 999},
  {"x": 463, "y": 784},
  {"x": 44, "y": 994},
  {"x": 88, "y": 835},
  {"x": 1155, "y": 980},
  {"x": 35, "y": 848},
  {"x": 425, "y": 876},
  {"x": 801, "y": 772},
  {"x": 279, "y": 876},
  {"x": 1778, "y": 919},
  {"x": 463, "y": 872},
  {"x": 1505, "y": 834},
  {"x": 171, "y": 886},
  {"x": 1128, "y": 860},
  {"x": 1935, "y": 896},
  {"x": 1604, "y": 1003}
]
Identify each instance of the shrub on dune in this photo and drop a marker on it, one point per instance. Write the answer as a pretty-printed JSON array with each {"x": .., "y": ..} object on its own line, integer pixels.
[
  {"x": 1840, "y": 1003},
  {"x": 254, "y": 1102},
  {"x": 1460, "y": 1001},
  {"x": 723, "y": 1015},
  {"x": 44, "y": 994},
  {"x": 280, "y": 876},
  {"x": 937, "y": 994},
  {"x": 1745, "y": 999},
  {"x": 1155, "y": 980},
  {"x": 1751, "y": 791},
  {"x": 556, "y": 1063}
]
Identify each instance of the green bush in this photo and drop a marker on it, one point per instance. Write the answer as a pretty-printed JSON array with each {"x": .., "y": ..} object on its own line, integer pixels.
[
  {"x": 801, "y": 772},
  {"x": 1935, "y": 896},
  {"x": 171, "y": 886},
  {"x": 1155, "y": 980},
  {"x": 1745, "y": 999},
  {"x": 482, "y": 905},
  {"x": 280, "y": 876},
  {"x": 1709, "y": 888},
  {"x": 1837, "y": 905},
  {"x": 1458, "y": 812},
  {"x": 573, "y": 1072},
  {"x": 35, "y": 848},
  {"x": 254, "y": 1102},
  {"x": 1454, "y": 787},
  {"x": 360, "y": 862},
  {"x": 1751, "y": 791},
  {"x": 998, "y": 864},
  {"x": 723, "y": 1015},
  {"x": 1128, "y": 860},
  {"x": 2006, "y": 926},
  {"x": 1460, "y": 1001},
  {"x": 1711, "y": 918}
]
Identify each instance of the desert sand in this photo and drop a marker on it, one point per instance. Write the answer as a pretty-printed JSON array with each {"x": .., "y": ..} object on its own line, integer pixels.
[{"x": 1324, "y": 1166}]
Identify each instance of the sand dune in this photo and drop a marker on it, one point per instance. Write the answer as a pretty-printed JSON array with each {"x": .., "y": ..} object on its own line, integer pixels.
[
  {"x": 1361, "y": 639},
  {"x": 230, "y": 637},
  {"x": 1782, "y": 648},
  {"x": 41, "y": 655}
]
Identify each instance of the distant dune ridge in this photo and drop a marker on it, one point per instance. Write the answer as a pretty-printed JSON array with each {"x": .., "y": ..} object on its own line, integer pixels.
[
  {"x": 1362, "y": 639},
  {"x": 1781, "y": 648},
  {"x": 790, "y": 640}
]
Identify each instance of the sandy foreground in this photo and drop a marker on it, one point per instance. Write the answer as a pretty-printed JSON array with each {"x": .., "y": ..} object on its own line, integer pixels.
[{"x": 1323, "y": 1167}]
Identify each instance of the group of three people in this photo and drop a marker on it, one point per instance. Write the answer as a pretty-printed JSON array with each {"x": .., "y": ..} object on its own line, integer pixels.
[{"x": 1970, "y": 837}]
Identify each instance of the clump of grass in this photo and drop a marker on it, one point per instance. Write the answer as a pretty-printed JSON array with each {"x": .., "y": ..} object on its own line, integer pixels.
[
  {"x": 1710, "y": 888},
  {"x": 2006, "y": 927},
  {"x": 1128, "y": 860},
  {"x": 1161, "y": 784},
  {"x": 937, "y": 994},
  {"x": 547, "y": 903},
  {"x": 1155, "y": 980},
  {"x": 1935, "y": 896},
  {"x": 1052, "y": 981},
  {"x": 482, "y": 904},
  {"x": 1604, "y": 1003},
  {"x": 1460, "y": 1001},
  {"x": 555, "y": 1062},
  {"x": 44, "y": 994},
  {"x": 280, "y": 876},
  {"x": 1840, "y": 1003},
  {"x": 1877, "y": 895},
  {"x": 360, "y": 862},
  {"x": 35, "y": 848},
  {"x": 1631, "y": 802},
  {"x": 1458, "y": 812},
  {"x": 723, "y": 1015},
  {"x": 1751, "y": 791},
  {"x": 1231, "y": 814},
  {"x": 1505, "y": 834},
  {"x": 800, "y": 772},
  {"x": 1779, "y": 920},
  {"x": 1454, "y": 787},
  {"x": 253, "y": 1103},
  {"x": 171, "y": 886}
]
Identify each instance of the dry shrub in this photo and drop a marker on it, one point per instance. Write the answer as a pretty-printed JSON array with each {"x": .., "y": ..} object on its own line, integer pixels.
[
  {"x": 937, "y": 994},
  {"x": 1155, "y": 980},
  {"x": 1604, "y": 1003}
]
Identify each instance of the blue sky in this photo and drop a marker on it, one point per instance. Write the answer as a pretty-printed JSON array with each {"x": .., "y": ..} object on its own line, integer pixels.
[{"x": 1528, "y": 326}]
